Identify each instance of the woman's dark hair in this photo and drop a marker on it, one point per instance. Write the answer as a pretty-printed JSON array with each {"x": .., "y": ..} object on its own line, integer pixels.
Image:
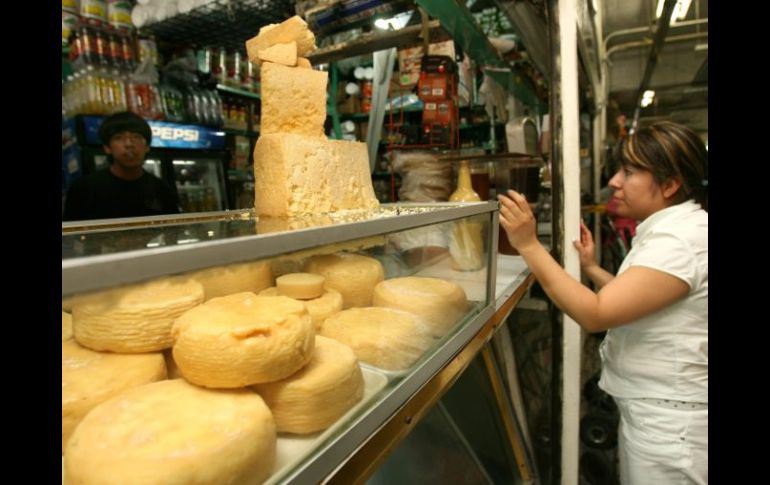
[{"x": 669, "y": 150}]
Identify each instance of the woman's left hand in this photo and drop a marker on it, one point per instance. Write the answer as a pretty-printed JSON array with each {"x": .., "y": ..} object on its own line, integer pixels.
[{"x": 517, "y": 220}]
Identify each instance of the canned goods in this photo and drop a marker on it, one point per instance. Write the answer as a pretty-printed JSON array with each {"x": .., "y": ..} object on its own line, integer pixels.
[
  {"x": 69, "y": 23},
  {"x": 119, "y": 14},
  {"x": 70, "y": 5},
  {"x": 94, "y": 10}
]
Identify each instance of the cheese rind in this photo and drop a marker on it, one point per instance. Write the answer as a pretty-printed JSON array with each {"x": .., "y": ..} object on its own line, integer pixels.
[
  {"x": 319, "y": 308},
  {"x": 440, "y": 303},
  {"x": 284, "y": 54},
  {"x": 353, "y": 275},
  {"x": 136, "y": 318},
  {"x": 300, "y": 286},
  {"x": 172, "y": 432},
  {"x": 296, "y": 175},
  {"x": 384, "y": 337},
  {"x": 242, "y": 339},
  {"x": 234, "y": 278},
  {"x": 292, "y": 29},
  {"x": 293, "y": 100},
  {"x": 89, "y": 378},
  {"x": 316, "y": 396}
]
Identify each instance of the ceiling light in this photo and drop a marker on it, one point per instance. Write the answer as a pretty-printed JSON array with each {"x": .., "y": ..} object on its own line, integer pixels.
[
  {"x": 702, "y": 47},
  {"x": 395, "y": 22},
  {"x": 680, "y": 10}
]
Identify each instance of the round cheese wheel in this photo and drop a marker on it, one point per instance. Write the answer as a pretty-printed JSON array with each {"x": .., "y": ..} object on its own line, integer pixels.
[
  {"x": 89, "y": 378},
  {"x": 234, "y": 278},
  {"x": 243, "y": 339},
  {"x": 66, "y": 326},
  {"x": 440, "y": 303},
  {"x": 174, "y": 432},
  {"x": 135, "y": 318},
  {"x": 384, "y": 337},
  {"x": 319, "y": 308},
  {"x": 317, "y": 395},
  {"x": 353, "y": 275},
  {"x": 300, "y": 286}
]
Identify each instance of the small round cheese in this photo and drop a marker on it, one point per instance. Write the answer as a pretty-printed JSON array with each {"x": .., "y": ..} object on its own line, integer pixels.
[
  {"x": 300, "y": 286},
  {"x": 234, "y": 278},
  {"x": 89, "y": 378},
  {"x": 174, "y": 432},
  {"x": 243, "y": 339},
  {"x": 135, "y": 318},
  {"x": 319, "y": 308},
  {"x": 66, "y": 326},
  {"x": 317, "y": 395},
  {"x": 353, "y": 275},
  {"x": 384, "y": 337},
  {"x": 440, "y": 303}
]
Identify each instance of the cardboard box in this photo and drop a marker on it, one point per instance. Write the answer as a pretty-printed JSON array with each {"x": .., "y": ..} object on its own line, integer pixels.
[{"x": 409, "y": 60}]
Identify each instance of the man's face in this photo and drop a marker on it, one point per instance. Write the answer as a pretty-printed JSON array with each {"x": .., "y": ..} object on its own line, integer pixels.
[{"x": 128, "y": 149}]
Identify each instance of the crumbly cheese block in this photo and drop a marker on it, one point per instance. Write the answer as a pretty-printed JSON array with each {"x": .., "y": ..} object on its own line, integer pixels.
[
  {"x": 296, "y": 175},
  {"x": 89, "y": 378},
  {"x": 234, "y": 278},
  {"x": 384, "y": 337},
  {"x": 319, "y": 308},
  {"x": 292, "y": 29},
  {"x": 438, "y": 302},
  {"x": 353, "y": 275},
  {"x": 135, "y": 318},
  {"x": 243, "y": 339},
  {"x": 315, "y": 397},
  {"x": 172, "y": 432},
  {"x": 300, "y": 286},
  {"x": 284, "y": 54},
  {"x": 304, "y": 63},
  {"x": 293, "y": 100},
  {"x": 66, "y": 326}
]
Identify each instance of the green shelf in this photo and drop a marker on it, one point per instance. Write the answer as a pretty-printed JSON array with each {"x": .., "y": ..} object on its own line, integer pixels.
[{"x": 365, "y": 116}]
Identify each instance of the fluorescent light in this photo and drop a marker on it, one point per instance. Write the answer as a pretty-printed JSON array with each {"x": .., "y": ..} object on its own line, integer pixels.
[
  {"x": 702, "y": 47},
  {"x": 647, "y": 98},
  {"x": 680, "y": 10},
  {"x": 396, "y": 22}
]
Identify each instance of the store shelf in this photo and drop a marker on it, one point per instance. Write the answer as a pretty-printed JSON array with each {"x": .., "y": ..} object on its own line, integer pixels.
[
  {"x": 238, "y": 92},
  {"x": 236, "y": 132},
  {"x": 221, "y": 23}
]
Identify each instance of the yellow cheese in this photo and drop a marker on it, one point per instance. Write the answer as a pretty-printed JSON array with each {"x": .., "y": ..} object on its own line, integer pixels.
[
  {"x": 353, "y": 275},
  {"x": 89, "y": 378},
  {"x": 296, "y": 175},
  {"x": 300, "y": 286},
  {"x": 292, "y": 29},
  {"x": 384, "y": 337},
  {"x": 304, "y": 63},
  {"x": 66, "y": 326},
  {"x": 284, "y": 54},
  {"x": 319, "y": 308},
  {"x": 234, "y": 278},
  {"x": 439, "y": 303},
  {"x": 171, "y": 368},
  {"x": 135, "y": 318},
  {"x": 243, "y": 339},
  {"x": 293, "y": 100},
  {"x": 172, "y": 432},
  {"x": 315, "y": 397}
]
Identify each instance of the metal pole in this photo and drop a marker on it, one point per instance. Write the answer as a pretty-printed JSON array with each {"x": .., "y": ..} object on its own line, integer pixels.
[{"x": 566, "y": 192}]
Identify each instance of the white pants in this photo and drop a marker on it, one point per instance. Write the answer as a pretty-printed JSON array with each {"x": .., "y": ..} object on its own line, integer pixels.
[{"x": 658, "y": 445}]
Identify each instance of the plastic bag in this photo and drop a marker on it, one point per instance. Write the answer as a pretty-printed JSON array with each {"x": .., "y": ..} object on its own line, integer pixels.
[{"x": 424, "y": 178}]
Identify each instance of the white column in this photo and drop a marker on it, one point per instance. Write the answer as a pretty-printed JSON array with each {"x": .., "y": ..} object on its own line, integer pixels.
[{"x": 572, "y": 333}]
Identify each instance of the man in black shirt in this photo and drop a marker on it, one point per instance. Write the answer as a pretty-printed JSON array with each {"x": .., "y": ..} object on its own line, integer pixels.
[{"x": 124, "y": 189}]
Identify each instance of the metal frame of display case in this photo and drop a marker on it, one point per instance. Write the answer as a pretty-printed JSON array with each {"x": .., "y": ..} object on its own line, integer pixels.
[{"x": 80, "y": 274}]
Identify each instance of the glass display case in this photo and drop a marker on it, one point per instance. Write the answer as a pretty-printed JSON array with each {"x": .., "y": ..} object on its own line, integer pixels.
[{"x": 455, "y": 243}]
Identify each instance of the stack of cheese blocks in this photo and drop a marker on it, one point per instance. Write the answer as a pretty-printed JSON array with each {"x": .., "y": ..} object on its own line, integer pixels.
[{"x": 297, "y": 170}]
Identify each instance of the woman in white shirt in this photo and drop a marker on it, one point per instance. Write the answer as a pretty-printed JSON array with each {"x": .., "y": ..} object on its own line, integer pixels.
[{"x": 655, "y": 310}]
